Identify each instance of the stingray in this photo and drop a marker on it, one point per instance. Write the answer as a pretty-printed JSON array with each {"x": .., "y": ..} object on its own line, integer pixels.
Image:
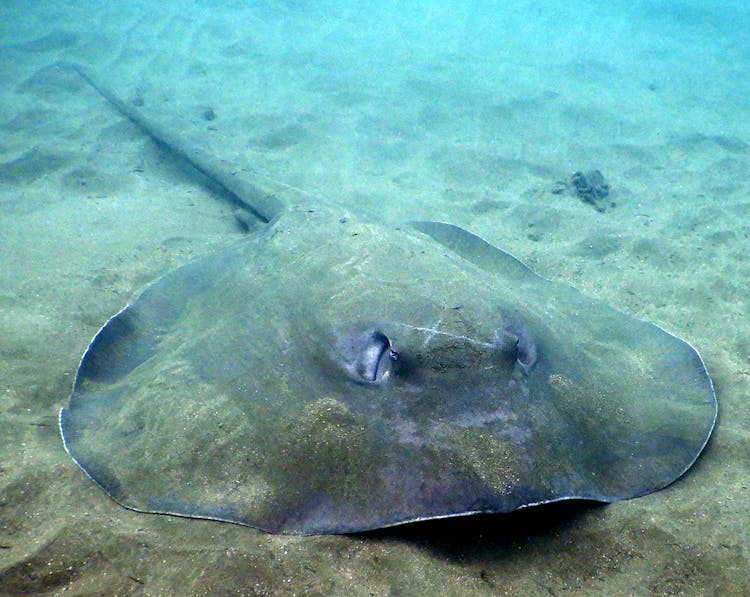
[{"x": 334, "y": 374}]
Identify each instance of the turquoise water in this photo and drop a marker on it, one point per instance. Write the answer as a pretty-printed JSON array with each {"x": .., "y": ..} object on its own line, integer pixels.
[{"x": 475, "y": 113}]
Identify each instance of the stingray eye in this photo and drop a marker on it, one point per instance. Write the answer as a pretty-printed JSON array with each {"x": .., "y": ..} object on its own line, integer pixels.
[
  {"x": 368, "y": 355},
  {"x": 524, "y": 345},
  {"x": 374, "y": 359}
]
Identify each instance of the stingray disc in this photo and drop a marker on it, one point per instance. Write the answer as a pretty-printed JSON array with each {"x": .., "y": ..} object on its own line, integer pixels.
[{"x": 332, "y": 376}]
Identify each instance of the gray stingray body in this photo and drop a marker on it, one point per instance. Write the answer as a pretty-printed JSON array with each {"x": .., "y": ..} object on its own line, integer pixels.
[{"x": 331, "y": 375}]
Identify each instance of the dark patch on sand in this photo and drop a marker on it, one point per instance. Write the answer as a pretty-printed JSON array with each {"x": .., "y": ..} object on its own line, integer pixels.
[
  {"x": 599, "y": 244},
  {"x": 56, "y": 40},
  {"x": 728, "y": 143},
  {"x": 32, "y": 165},
  {"x": 50, "y": 81},
  {"x": 88, "y": 180},
  {"x": 283, "y": 137},
  {"x": 29, "y": 121},
  {"x": 484, "y": 206}
]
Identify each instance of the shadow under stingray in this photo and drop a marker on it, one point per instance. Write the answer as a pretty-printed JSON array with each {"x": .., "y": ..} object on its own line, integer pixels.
[{"x": 483, "y": 537}]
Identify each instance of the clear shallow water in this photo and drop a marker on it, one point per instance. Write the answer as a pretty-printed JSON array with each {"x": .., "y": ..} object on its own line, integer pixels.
[{"x": 460, "y": 111}]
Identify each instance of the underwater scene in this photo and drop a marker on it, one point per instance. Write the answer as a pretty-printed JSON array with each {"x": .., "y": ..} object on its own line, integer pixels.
[{"x": 425, "y": 297}]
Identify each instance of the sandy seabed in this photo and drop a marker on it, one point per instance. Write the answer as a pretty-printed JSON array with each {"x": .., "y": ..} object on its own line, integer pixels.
[{"x": 360, "y": 106}]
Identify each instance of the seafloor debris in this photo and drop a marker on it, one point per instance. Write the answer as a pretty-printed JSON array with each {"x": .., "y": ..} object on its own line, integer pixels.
[{"x": 590, "y": 187}]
